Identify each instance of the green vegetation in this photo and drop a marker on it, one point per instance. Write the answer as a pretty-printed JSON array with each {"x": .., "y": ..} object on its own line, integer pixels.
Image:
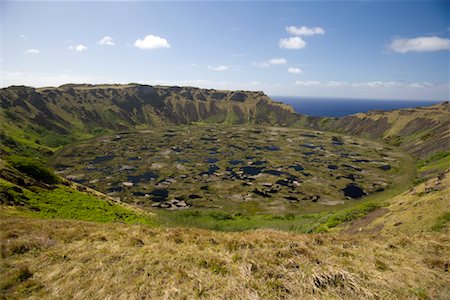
[
  {"x": 438, "y": 161},
  {"x": 441, "y": 222},
  {"x": 67, "y": 203},
  {"x": 348, "y": 215},
  {"x": 236, "y": 169},
  {"x": 432, "y": 166},
  {"x": 304, "y": 223},
  {"x": 33, "y": 168}
]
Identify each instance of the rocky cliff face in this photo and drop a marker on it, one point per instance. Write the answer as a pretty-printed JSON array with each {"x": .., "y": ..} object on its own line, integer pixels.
[
  {"x": 421, "y": 131},
  {"x": 57, "y": 116}
]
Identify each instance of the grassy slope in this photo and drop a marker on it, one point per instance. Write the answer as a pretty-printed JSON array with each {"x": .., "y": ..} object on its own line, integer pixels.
[
  {"x": 75, "y": 259},
  {"x": 424, "y": 208},
  {"x": 420, "y": 131},
  {"x": 67, "y": 203},
  {"x": 22, "y": 195},
  {"x": 434, "y": 165}
]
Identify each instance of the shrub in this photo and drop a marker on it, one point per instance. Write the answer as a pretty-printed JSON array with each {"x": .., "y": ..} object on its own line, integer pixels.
[
  {"x": 23, "y": 274},
  {"x": 221, "y": 216},
  {"x": 33, "y": 168}
]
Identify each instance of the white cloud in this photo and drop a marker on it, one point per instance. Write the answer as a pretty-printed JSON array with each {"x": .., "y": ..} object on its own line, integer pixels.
[
  {"x": 370, "y": 89},
  {"x": 378, "y": 84},
  {"x": 419, "y": 44},
  {"x": 151, "y": 42},
  {"x": 211, "y": 84},
  {"x": 49, "y": 79},
  {"x": 78, "y": 48},
  {"x": 292, "y": 43},
  {"x": 336, "y": 84},
  {"x": 369, "y": 84},
  {"x": 307, "y": 83},
  {"x": 422, "y": 84},
  {"x": 107, "y": 40},
  {"x": 295, "y": 70},
  {"x": 32, "y": 51},
  {"x": 270, "y": 62},
  {"x": 277, "y": 61},
  {"x": 23, "y": 36},
  {"x": 218, "y": 68},
  {"x": 305, "y": 30}
]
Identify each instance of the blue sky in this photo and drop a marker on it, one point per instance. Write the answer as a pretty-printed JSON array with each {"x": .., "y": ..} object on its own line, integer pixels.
[{"x": 364, "y": 49}]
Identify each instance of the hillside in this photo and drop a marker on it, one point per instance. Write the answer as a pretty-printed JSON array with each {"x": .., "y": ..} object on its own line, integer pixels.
[
  {"x": 75, "y": 259},
  {"x": 47, "y": 118},
  {"x": 424, "y": 208},
  {"x": 61, "y": 239},
  {"x": 45, "y": 256},
  {"x": 420, "y": 131},
  {"x": 27, "y": 188}
]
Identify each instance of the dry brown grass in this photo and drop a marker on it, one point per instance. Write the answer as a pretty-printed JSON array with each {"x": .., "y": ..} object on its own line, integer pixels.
[
  {"x": 74, "y": 259},
  {"x": 417, "y": 210}
]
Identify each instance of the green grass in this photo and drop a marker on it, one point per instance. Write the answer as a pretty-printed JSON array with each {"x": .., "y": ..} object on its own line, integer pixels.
[
  {"x": 441, "y": 222},
  {"x": 222, "y": 221},
  {"x": 64, "y": 202},
  {"x": 439, "y": 161},
  {"x": 33, "y": 168},
  {"x": 304, "y": 223}
]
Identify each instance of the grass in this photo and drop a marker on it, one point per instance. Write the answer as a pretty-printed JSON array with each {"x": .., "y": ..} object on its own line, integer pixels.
[
  {"x": 223, "y": 221},
  {"x": 76, "y": 259},
  {"x": 441, "y": 222},
  {"x": 423, "y": 208},
  {"x": 33, "y": 168},
  {"x": 67, "y": 203},
  {"x": 436, "y": 163}
]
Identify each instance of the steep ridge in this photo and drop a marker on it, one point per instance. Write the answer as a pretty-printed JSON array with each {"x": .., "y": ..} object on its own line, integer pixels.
[
  {"x": 52, "y": 117},
  {"x": 421, "y": 131}
]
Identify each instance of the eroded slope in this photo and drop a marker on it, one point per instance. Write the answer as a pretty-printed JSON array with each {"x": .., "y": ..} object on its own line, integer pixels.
[{"x": 421, "y": 131}]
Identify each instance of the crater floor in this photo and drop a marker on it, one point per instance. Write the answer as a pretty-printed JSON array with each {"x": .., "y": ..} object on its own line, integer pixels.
[{"x": 247, "y": 169}]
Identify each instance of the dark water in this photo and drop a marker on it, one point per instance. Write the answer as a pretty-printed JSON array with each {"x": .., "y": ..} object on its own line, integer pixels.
[{"x": 338, "y": 107}]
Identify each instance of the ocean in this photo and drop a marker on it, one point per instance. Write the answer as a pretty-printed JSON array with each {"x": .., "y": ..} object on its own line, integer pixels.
[{"x": 338, "y": 107}]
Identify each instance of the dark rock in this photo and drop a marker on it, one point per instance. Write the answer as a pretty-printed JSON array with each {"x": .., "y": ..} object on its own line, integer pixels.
[
  {"x": 385, "y": 167},
  {"x": 353, "y": 191}
]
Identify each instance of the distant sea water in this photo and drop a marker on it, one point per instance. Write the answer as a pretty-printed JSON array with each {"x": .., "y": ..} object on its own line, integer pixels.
[{"x": 338, "y": 107}]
